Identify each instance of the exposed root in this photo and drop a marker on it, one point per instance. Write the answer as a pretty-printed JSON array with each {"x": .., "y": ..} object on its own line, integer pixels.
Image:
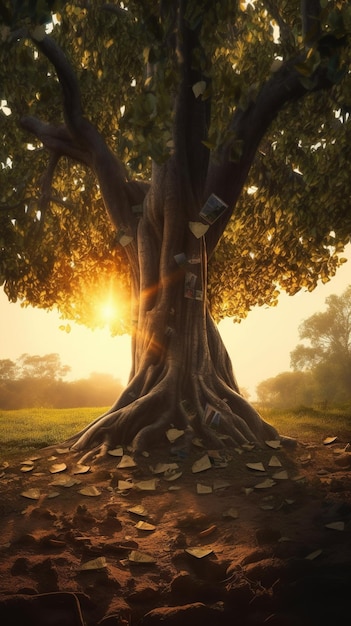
[{"x": 144, "y": 421}]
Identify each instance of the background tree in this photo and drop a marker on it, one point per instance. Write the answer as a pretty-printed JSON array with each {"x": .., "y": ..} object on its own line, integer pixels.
[
  {"x": 328, "y": 334},
  {"x": 37, "y": 381},
  {"x": 196, "y": 98},
  {"x": 326, "y": 352},
  {"x": 322, "y": 363},
  {"x": 36, "y": 366},
  {"x": 287, "y": 390}
]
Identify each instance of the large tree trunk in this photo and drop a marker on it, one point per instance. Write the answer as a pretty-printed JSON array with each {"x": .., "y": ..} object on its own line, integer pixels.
[{"x": 181, "y": 371}]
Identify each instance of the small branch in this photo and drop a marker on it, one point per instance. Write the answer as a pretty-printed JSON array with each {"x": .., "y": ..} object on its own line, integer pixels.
[
  {"x": 311, "y": 20},
  {"x": 286, "y": 34},
  {"x": 46, "y": 185},
  {"x": 112, "y": 8}
]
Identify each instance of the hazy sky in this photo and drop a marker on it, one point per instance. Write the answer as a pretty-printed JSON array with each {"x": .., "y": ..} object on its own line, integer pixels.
[{"x": 259, "y": 347}]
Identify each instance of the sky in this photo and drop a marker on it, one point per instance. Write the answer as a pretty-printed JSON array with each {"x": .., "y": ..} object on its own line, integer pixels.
[{"x": 259, "y": 346}]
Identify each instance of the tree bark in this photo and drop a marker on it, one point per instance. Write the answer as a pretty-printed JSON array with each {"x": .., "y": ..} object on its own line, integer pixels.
[{"x": 181, "y": 372}]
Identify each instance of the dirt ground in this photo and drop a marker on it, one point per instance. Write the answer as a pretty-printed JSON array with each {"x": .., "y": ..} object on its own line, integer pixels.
[{"x": 185, "y": 536}]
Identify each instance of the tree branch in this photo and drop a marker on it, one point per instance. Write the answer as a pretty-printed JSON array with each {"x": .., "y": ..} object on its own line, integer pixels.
[
  {"x": 226, "y": 178},
  {"x": 73, "y": 111},
  {"x": 286, "y": 34},
  {"x": 56, "y": 139},
  {"x": 110, "y": 172},
  {"x": 192, "y": 113},
  {"x": 311, "y": 20}
]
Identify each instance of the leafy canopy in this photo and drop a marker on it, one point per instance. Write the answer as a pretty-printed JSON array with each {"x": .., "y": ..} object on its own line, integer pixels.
[{"x": 292, "y": 220}]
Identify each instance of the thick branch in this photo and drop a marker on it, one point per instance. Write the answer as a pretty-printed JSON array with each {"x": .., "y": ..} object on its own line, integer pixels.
[
  {"x": 56, "y": 139},
  {"x": 192, "y": 118},
  {"x": 110, "y": 172},
  {"x": 227, "y": 177},
  {"x": 71, "y": 94}
]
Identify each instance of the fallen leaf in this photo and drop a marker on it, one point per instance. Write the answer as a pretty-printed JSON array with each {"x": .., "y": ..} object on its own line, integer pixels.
[
  {"x": 218, "y": 485},
  {"x": 53, "y": 494},
  {"x": 116, "y": 451},
  {"x": 170, "y": 475},
  {"x": 273, "y": 443},
  {"x": 198, "y": 442},
  {"x": 64, "y": 481},
  {"x": 123, "y": 485},
  {"x": 57, "y": 468},
  {"x": 203, "y": 489},
  {"x": 146, "y": 485},
  {"x": 138, "y": 510},
  {"x": 313, "y": 555},
  {"x": 160, "y": 468},
  {"x": 248, "y": 446},
  {"x": 145, "y": 526},
  {"x": 81, "y": 469},
  {"x": 32, "y": 494},
  {"x": 232, "y": 513},
  {"x": 208, "y": 531},
  {"x": 259, "y": 467},
  {"x": 199, "y": 553},
  {"x": 328, "y": 440},
  {"x": 299, "y": 478},
  {"x": 126, "y": 461},
  {"x": 99, "y": 563},
  {"x": 91, "y": 490},
  {"x": 27, "y": 468},
  {"x": 283, "y": 475},
  {"x": 62, "y": 450},
  {"x": 336, "y": 525},
  {"x": 274, "y": 462},
  {"x": 201, "y": 464},
  {"x": 266, "y": 484},
  {"x": 140, "y": 557},
  {"x": 173, "y": 434}
]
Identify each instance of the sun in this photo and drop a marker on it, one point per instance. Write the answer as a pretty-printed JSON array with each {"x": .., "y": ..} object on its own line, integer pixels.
[{"x": 108, "y": 311}]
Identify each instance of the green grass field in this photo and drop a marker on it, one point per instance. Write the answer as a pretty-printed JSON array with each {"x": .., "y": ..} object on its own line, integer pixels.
[{"x": 25, "y": 430}]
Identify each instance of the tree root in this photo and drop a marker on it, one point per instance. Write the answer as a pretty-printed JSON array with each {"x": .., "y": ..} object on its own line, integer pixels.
[{"x": 144, "y": 421}]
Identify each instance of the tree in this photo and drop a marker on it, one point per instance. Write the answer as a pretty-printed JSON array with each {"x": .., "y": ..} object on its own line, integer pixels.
[
  {"x": 328, "y": 334},
  {"x": 48, "y": 366},
  {"x": 176, "y": 108},
  {"x": 327, "y": 355},
  {"x": 287, "y": 390}
]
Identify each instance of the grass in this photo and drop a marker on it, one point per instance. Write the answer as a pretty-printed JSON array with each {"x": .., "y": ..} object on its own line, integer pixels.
[
  {"x": 310, "y": 425},
  {"x": 25, "y": 430}
]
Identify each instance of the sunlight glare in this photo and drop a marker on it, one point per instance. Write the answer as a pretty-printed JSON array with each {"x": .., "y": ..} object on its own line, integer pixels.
[{"x": 108, "y": 311}]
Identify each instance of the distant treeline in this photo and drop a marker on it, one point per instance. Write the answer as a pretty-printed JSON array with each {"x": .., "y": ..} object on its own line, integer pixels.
[{"x": 33, "y": 381}]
